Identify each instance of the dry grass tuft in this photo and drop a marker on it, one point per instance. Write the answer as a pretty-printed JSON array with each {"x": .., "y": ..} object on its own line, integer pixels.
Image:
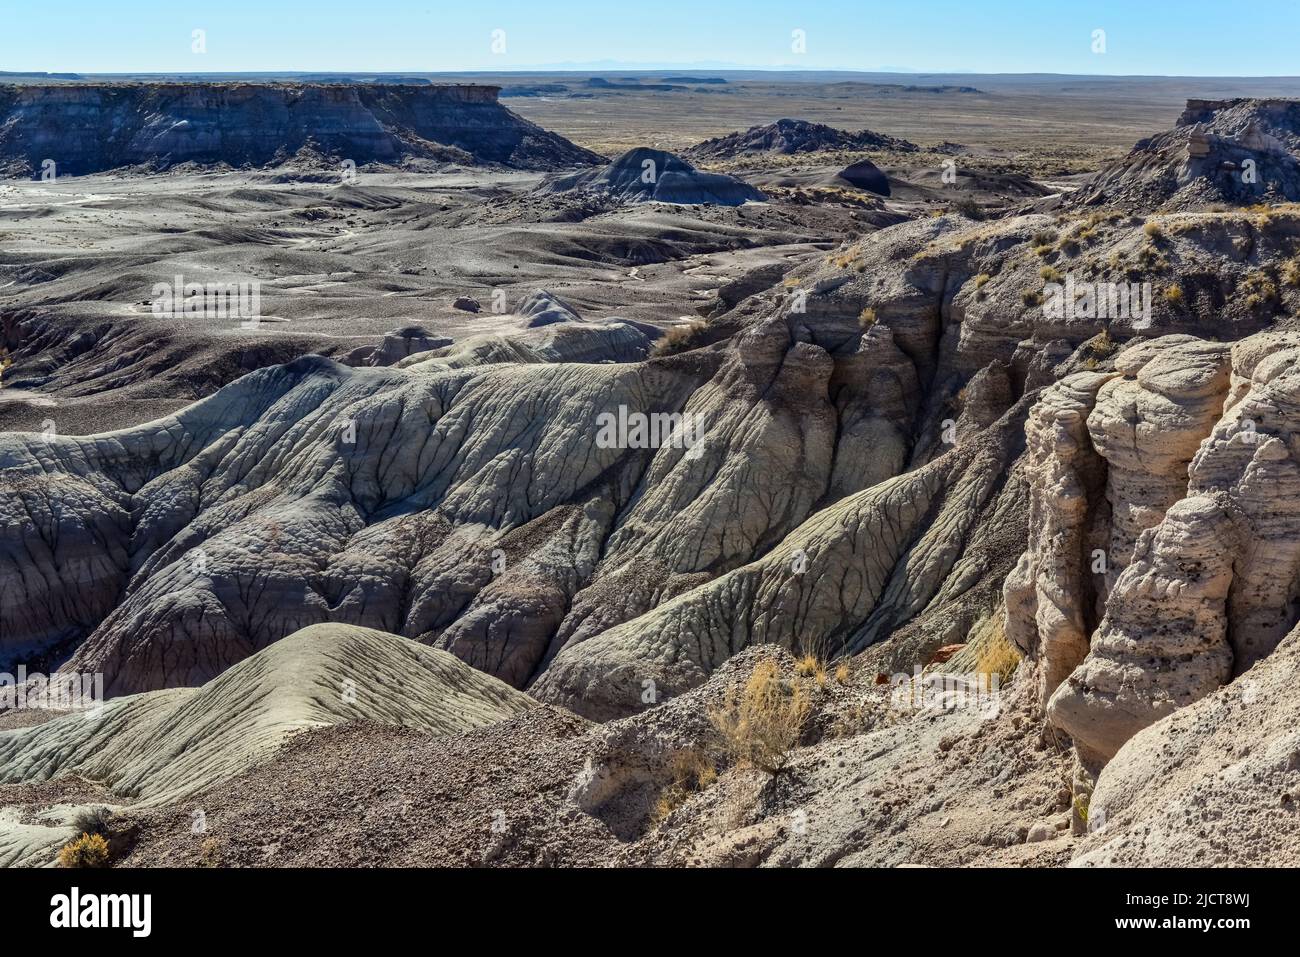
[
  {"x": 998, "y": 656},
  {"x": 763, "y": 723},
  {"x": 691, "y": 772}
]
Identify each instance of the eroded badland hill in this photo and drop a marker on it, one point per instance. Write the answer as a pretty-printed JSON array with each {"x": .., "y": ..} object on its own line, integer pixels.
[{"x": 703, "y": 509}]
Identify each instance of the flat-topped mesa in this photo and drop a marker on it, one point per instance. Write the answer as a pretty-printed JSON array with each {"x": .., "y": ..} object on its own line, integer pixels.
[{"x": 88, "y": 128}]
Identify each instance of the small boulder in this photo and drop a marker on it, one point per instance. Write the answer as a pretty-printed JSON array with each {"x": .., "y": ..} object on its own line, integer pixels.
[{"x": 1042, "y": 831}]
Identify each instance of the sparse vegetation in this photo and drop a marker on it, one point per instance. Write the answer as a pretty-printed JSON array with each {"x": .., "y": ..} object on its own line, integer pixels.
[
  {"x": 89, "y": 850},
  {"x": 998, "y": 656},
  {"x": 1149, "y": 258},
  {"x": 760, "y": 726},
  {"x": 867, "y": 318},
  {"x": 1081, "y": 808},
  {"x": 1174, "y": 294},
  {"x": 680, "y": 338},
  {"x": 1050, "y": 274},
  {"x": 1291, "y": 272},
  {"x": 1152, "y": 230},
  {"x": 968, "y": 208},
  {"x": 1031, "y": 297},
  {"x": 210, "y": 853},
  {"x": 1260, "y": 289},
  {"x": 842, "y": 673},
  {"x": 811, "y": 666},
  {"x": 691, "y": 772},
  {"x": 93, "y": 820}
]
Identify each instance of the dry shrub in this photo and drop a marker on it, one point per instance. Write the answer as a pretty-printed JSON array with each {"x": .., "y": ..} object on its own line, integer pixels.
[
  {"x": 867, "y": 318},
  {"x": 998, "y": 656},
  {"x": 93, "y": 820},
  {"x": 679, "y": 338},
  {"x": 842, "y": 673},
  {"x": 89, "y": 850},
  {"x": 759, "y": 727},
  {"x": 1174, "y": 294},
  {"x": 691, "y": 772},
  {"x": 210, "y": 853},
  {"x": 1260, "y": 288},
  {"x": 1291, "y": 272}
]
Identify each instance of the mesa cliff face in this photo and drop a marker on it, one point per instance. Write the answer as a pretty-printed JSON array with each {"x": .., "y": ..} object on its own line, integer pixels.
[{"x": 87, "y": 128}]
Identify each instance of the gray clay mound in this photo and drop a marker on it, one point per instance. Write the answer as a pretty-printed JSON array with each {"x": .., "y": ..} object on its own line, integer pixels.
[
  {"x": 788, "y": 136},
  {"x": 646, "y": 175},
  {"x": 865, "y": 174}
]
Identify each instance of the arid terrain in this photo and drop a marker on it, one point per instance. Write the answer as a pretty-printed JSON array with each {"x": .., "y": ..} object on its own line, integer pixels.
[{"x": 725, "y": 469}]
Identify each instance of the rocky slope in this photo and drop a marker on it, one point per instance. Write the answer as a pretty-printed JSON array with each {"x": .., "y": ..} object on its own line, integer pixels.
[
  {"x": 1219, "y": 151},
  {"x": 86, "y": 128}
]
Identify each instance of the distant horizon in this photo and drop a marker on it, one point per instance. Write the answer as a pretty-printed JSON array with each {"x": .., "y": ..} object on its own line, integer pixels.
[
  {"x": 646, "y": 69},
  {"x": 1197, "y": 39}
]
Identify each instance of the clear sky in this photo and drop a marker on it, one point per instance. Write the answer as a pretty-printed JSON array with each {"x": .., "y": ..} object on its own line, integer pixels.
[{"x": 1191, "y": 37}]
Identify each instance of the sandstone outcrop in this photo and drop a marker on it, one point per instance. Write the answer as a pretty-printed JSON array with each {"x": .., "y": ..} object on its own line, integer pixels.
[
  {"x": 1189, "y": 562},
  {"x": 1216, "y": 783}
]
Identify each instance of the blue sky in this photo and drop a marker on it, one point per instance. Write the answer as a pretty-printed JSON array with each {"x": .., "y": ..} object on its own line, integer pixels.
[{"x": 1194, "y": 37}]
